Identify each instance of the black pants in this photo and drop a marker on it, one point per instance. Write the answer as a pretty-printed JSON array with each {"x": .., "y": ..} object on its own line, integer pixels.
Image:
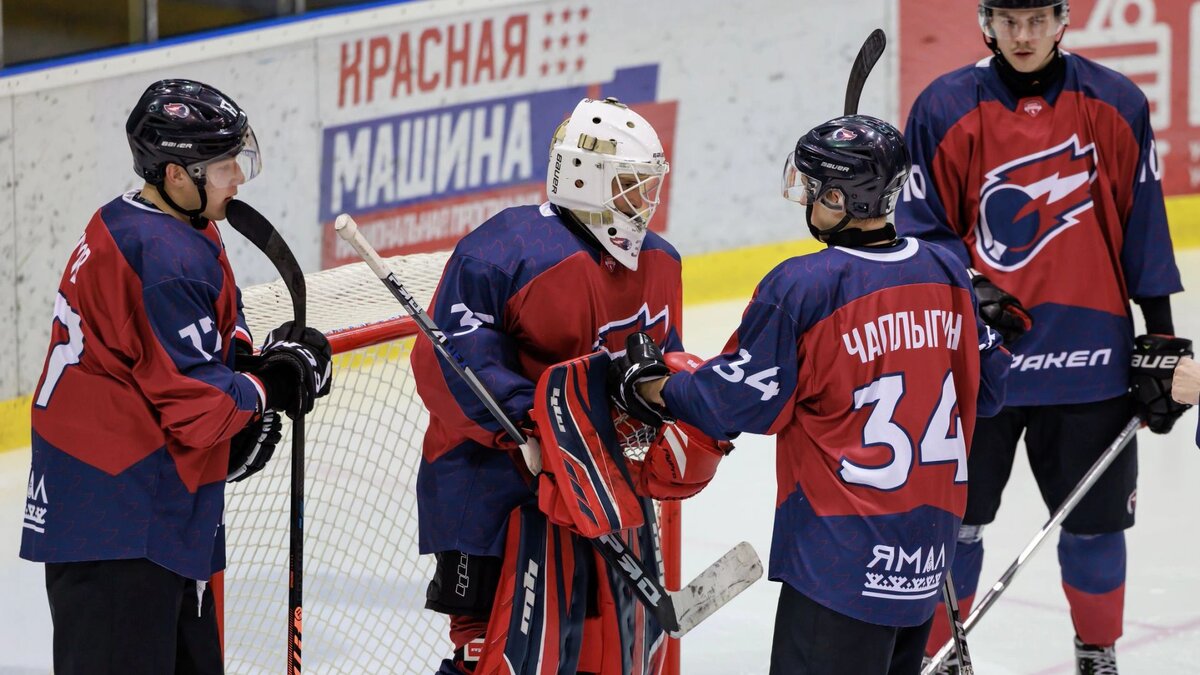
[
  {"x": 130, "y": 617},
  {"x": 1062, "y": 441},
  {"x": 811, "y": 639}
]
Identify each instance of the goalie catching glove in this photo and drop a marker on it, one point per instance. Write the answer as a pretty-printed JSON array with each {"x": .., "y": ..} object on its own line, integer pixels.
[
  {"x": 682, "y": 460},
  {"x": 1153, "y": 365},
  {"x": 1000, "y": 309},
  {"x": 253, "y": 446}
]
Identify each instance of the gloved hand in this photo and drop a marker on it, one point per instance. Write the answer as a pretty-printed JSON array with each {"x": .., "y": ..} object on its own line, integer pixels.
[
  {"x": 252, "y": 447},
  {"x": 1153, "y": 365},
  {"x": 642, "y": 361},
  {"x": 1000, "y": 309},
  {"x": 295, "y": 372}
]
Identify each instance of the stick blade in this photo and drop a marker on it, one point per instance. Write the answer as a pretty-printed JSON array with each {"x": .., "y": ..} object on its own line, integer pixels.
[
  {"x": 872, "y": 48},
  {"x": 733, "y": 573}
]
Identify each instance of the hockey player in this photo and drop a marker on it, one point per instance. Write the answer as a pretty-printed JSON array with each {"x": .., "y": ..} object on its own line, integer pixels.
[
  {"x": 1037, "y": 168},
  {"x": 140, "y": 415},
  {"x": 869, "y": 363},
  {"x": 531, "y": 287}
]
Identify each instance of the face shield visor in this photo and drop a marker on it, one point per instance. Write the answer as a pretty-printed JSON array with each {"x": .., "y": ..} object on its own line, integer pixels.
[
  {"x": 802, "y": 188},
  {"x": 1021, "y": 24},
  {"x": 238, "y": 166},
  {"x": 636, "y": 188}
]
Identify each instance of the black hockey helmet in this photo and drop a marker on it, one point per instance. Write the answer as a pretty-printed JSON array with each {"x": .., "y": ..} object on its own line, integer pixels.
[
  {"x": 1062, "y": 11},
  {"x": 863, "y": 157},
  {"x": 191, "y": 124}
]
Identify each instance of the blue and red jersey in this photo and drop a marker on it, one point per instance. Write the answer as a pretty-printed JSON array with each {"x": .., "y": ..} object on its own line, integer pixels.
[
  {"x": 870, "y": 365},
  {"x": 1057, "y": 199},
  {"x": 519, "y": 294},
  {"x": 137, "y": 401}
]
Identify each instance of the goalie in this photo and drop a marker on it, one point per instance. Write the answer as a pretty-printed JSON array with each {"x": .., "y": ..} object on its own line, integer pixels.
[{"x": 524, "y": 591}]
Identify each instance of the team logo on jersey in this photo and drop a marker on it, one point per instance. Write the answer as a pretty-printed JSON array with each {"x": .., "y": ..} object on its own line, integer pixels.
[
  {"x": 897, "y": 574},
  {"x": 1029, "y": 201},
  {"x": 37, "y": 504},
  {"x": 611, "y": 336},
  {"x": 1032, "y": 108}
]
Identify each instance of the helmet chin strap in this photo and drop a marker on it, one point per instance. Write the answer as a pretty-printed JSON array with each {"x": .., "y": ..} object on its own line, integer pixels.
[
  {"x": 194, "y": 218},
  {"x": 839, "y": 235}
]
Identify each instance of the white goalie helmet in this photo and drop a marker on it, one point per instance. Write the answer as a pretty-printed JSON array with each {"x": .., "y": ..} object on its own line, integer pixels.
[{"x": 607, "y": 167}]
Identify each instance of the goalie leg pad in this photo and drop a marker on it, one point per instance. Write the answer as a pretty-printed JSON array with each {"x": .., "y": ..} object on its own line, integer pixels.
[
  {"x": 626, "y": 629},
  {"x": 592, "y": 490},
  {"x": 536, "y": 624}
]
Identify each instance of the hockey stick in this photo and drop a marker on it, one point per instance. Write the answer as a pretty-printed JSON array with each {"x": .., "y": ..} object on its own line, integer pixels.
[
  {"x": 1077, "y": 494},
  {"x": 958, "y": 634},
  {"x": 253, "y": 226},
  {"x": 677, "y": 611},
  {"x": 868, "y": 54}
]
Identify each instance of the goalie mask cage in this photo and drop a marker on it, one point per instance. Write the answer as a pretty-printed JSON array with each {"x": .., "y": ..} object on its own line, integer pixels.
[{"x": 364, "y": 582}]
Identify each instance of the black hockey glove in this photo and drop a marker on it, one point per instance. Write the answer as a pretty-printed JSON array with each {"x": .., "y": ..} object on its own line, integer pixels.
[
  {"x": 1154, "y": 360},
  {"x": 1000, "y": 309},
  {"x": 252, "y": 447},
  {"x": 642, "y": 361},
  {"x": 244, "y": 358},
  {"x": 295, "y": 372}
]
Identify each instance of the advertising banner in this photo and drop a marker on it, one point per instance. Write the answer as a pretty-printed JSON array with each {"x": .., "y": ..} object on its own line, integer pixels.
[{"x": 432, "y": 128}]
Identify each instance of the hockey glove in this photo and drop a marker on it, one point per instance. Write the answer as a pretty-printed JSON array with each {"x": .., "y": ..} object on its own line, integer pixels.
[
  {"x": 295, "y": 372},
  {"x": 1000, "y": 309},
  {"x": 642, "y": 361},
  {"x": 1154, "y": 360},
  {"x": 252, "y": 447},
  {"x": 680, "y": 462}
]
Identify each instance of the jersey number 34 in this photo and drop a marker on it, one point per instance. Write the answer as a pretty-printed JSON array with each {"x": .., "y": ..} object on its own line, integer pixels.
[{"x": 941, "y": 441}]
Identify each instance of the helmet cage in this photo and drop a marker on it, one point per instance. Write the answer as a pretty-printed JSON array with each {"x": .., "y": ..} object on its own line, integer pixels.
[{"x": 634, "y": 189}]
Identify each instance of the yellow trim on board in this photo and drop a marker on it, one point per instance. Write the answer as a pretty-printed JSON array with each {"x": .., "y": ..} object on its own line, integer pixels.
[
  {"x": 1183, "y": 213},
  {"x": 708, "y": 277},
  {"x": 14, "y": 423}
]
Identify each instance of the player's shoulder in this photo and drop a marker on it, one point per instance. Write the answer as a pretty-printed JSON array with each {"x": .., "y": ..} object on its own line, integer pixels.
[
  {"x": 850, "y": 272},
  {"x": 1097, "y": 81},
  {"x": 156, "y": 246},
  {"x": 519, "y": 240},
  {"x": 656, "y": 242},
  {"x": 952, "y": 95}
]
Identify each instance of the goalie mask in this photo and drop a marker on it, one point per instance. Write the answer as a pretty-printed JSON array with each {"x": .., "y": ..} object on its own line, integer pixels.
[{"x": 607, "y": 167}]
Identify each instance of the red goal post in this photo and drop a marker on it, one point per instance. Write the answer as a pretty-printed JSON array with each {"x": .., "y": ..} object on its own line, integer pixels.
[{"x": 364, "y": 583}]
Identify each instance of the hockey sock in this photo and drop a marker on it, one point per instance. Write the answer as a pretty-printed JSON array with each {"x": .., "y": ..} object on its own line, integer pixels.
[
  {"x": 968, "y": 563},
  {"x": 1093, "y": 578}
]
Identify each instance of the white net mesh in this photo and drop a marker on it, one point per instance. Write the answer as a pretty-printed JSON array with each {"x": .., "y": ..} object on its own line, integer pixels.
[{"x": 364, "y": 584}]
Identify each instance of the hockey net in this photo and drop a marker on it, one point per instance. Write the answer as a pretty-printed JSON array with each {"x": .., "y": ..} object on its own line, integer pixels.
[{"x": 364, "y": 582}]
